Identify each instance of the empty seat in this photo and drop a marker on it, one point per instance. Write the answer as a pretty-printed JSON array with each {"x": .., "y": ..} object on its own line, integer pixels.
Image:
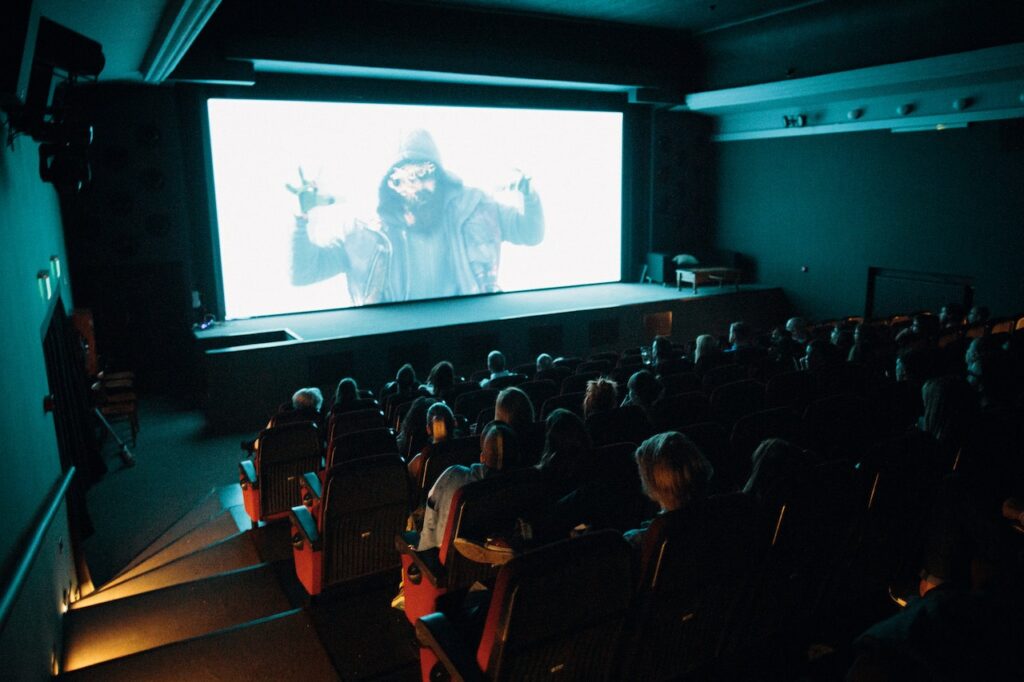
[
  {"x": 672, "y": 412},
  {"x": 506, "y": 381},
  {"x": 361, "y": 444},
  {"x": 270, "y": 479},
  {"x": 354, "y": 420},
  {"x": 680, "y": 382},
  {"x": 628, "y": 424},
  {"x": 578, "y": 382},
  {"x": 363, "y": 504},
  {"x": 599, "y": 366},
  {"x": 731, "y": 401},
  {"x": 569, "y": 401}
]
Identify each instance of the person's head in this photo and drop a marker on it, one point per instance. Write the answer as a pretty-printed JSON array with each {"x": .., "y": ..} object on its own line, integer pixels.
[
  {"x": 741, "y": 334},
  {"x": 346, "y": 391},
  {"x": 924, "y": 325},
  {"x": 411, "y": 187},
  {"x": 915, "y": 365},
  {"x": 644, "y": 388},
  {"x": 978, "y": 314},
  {"x": 661, "y": 349},
  {"x": 307, "y": 399},
  {"x": 544, "y": 362},
  {"x": 842, "y": 339},
  {"x": 499, "y": 447},
  {"x": 495, "y": 361},
  {"x": 405, "y": 378},
  {"x": 706, "y": 345},
  {"x": 797, "y": 327},
  {"x": 441, "y": 377},
  {"x": 566, "y": 442},
  {"x": 818, "y": 354},
  {"x": 773, "y": 459},
  {"x": 673, "y": 471},
  {"x": 951, "y": 315},
  {"x": 948, "y": 403},
  {"x": 513, "y": 407},
  {"x": 440, "y": 423},
  {"x": 601, "y": 395},
  {"x": 410, "y": 430}
]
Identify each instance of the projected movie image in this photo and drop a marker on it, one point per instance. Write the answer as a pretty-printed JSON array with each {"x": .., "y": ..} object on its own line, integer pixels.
[{"x": 323, "y": 205}]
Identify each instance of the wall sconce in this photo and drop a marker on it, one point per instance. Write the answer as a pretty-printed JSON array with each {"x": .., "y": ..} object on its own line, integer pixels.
[
  {"x": 45, "y": 288},
  {"x": 55, "y": 267}
]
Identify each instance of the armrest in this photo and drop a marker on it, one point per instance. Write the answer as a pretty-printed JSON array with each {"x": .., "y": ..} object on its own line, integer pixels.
[
  {"x": 305, "y": 523},
  {"x": 312, "y": 487},
  {"x": 248, "y": 471},
  {"x": 437, "y": 633},
  {"x": 428, "y": 561}
]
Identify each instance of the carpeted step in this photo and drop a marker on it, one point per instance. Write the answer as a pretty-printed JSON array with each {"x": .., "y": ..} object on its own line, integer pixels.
[
  {"x": 172, "y": 614},
  {"x": 281, "y": 647},
  {"x": 230, "y": 554},
  {"x": 223, "y": 525}
]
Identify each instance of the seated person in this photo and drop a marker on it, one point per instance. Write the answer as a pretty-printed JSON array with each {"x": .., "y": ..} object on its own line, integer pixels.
[
  {"x": 514, "y": 408},
  {"x": 405, "y": 383},
  {"x": 496, "y": 366},
  {"x": 705, "y": 354},
  {"x": 644, "y": 389},
  {"x": 743, "y": 348},
  {"x": 345, "y": 393},
  {"x": 600, "y": 396},
  {"x": 440, "y": 427},
  {"x": 544, "y": 362},
  {"x": 566, "y": 450},
  {"x": 304, "y": 406},
  {"x": 411, "y": 436},
  {"x": 673, "y": 473},
  {"x": 498, "y": 451},
  {"x": 440, "y": 380},
  {"x": 799, "y": 330},
  {"x": 978, "y": 314}
]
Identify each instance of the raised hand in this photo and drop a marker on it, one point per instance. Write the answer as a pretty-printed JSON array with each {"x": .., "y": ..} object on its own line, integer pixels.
[{"x": 309, "y": 194}]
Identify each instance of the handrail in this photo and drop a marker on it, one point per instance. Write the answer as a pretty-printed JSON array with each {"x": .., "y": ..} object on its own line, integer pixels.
[{"x": 28, "y": 557}]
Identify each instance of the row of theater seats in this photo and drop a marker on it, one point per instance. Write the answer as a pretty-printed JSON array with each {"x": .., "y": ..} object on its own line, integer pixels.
[{"x": 737, "y": 582}]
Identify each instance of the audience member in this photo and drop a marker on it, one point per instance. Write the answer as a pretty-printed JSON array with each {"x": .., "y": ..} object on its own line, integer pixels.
[
  {"x": 308, "y": 399},
  {"x": 706, "y": 354},
  {"x": 440, "y": 380},
  {"x": 345, "y": 393},
  {"x": 978, "y": 314},
  {"x": 567, "y": 445},
  {"x": 513, "y": 407},
  {"x": 411, "y": 436},
  {"x": 771, "y": 461},
  {"x": 673, "y": 473},
  {"x": 440, "y": 427},
  {"x": 798, "y": 330},
  {"x": 544, "y": 362},
  {"x": 404, "y": 383},
  {"x": 951, "y": 316},
  {"x": 601, "y": 395},
  {"x": 743, "y": 348},
  {"x": 643, "y": 389},
  {"x": 496, "y": 366},
  {"x": 498, "y": 451}
]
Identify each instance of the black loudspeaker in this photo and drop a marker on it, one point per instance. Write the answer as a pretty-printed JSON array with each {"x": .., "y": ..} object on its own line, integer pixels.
[
  {"x": 659, "y": 267},
  {"x": 17, "y": 45},
  {"x": 682, "y": 185}
]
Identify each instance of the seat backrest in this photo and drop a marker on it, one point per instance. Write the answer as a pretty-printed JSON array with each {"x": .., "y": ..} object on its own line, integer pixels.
[
  {"x": 366, "y": 502},
  {"x": 577, "y": 382},
  {"x": 790, "y": 389},
  {"x": 694, "y": 562},
  {"x": 713, "y": 441},
  {"x": 678, "y": 383},
  {"x": 470, "y": 403},
  {"x": 487, "y": 508},
  {"x": 357, "y": 420},
  {"x": 362, "y": 444},
  {"x": 840, "y": 426},
  {"x": 558, "y": 612},
  {"x": 723, "y": 374},
  {"x": 731, "y": 401},
  {"x": 629, "y": 424},
  {"x": 283, "y": 454},
  {"x": 601, "y": 366},
  {"x": 569, "y": 401},
  {"x": 676, "y": 411},
  {"x": 464, "y": 451},
  {"x": 506, "y": 381},
  {"x": 538, "y": 391}
]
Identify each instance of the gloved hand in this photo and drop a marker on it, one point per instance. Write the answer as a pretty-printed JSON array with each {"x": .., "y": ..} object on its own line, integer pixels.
[{"x": 309, "y": 194}]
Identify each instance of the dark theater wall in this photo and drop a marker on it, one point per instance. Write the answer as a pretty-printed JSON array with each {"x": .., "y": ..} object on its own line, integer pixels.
[{"x": 943, "y": 202}]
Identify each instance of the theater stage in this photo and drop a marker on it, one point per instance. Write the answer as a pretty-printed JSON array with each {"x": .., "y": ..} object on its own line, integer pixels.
[{"x": 252, "y": 365}]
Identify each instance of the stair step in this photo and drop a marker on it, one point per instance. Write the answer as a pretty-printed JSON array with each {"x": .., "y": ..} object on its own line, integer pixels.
[
  {"x": 235, "y": 552},
  {"x": 172, "y": 614},
  {"x": 280, "y": 647},
  {"x": 221, "y": 526}
]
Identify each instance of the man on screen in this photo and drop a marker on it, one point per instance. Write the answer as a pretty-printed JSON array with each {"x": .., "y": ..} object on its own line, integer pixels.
[{"x": 432, "y": 236}]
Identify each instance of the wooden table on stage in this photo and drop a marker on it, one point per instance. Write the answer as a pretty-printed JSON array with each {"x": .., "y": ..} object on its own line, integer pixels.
[{"x": 698, "y": 276}]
